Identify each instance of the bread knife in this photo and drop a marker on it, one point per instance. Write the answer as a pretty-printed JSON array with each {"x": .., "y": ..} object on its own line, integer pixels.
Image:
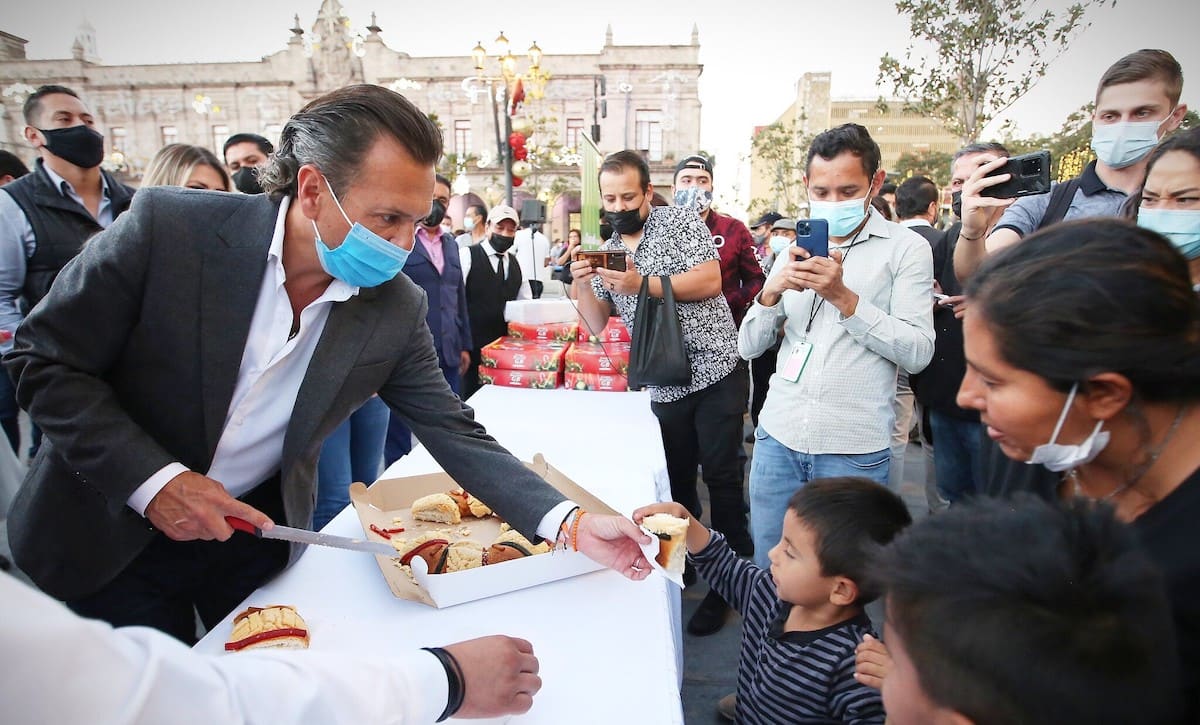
[{"x": 303, "y": 536}]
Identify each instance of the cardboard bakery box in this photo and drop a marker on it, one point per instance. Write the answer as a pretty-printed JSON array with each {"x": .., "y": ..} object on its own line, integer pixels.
[
  {"x": 614, "y": 331},
  {"x": 389, "y": 499},
  {"x": 594, "y": 357},
  {"x": 511, "y": 353},
  {"x": 536, "y": 379},
  {"x": 608, "y": 383},
  {"x": 560, "y": 331}
]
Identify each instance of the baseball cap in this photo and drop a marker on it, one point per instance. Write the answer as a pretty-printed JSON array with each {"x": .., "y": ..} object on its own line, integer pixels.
[
  {"x": 789, "y": 224},
  {"x": 503, "y": 211},
  {"x": 768, "y": 218},
  {"x": 694, "y": 162}
]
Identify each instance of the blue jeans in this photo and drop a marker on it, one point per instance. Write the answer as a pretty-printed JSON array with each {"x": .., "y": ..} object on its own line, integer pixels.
[
  {"x": 956, "y": 456},
  {"x": 351, "y": 453},
  {"x": 399, "y": 437},
  {"x": 776, "y": 472}
]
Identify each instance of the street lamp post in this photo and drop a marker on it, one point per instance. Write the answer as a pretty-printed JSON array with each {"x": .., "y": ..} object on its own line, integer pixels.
[{"x": 508, "y": 76}]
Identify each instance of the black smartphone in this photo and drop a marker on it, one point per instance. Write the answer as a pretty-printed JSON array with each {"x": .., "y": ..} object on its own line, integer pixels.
[
  {"x": 1030, "y": 175},
  {"x": 813, "y": 236}
]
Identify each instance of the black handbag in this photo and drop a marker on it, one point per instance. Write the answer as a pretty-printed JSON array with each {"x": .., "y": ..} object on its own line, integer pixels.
[{"x": 657, "y": 355}]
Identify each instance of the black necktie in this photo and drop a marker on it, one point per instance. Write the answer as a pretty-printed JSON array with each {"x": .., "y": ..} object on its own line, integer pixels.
[{"x": 500, "y": 265}]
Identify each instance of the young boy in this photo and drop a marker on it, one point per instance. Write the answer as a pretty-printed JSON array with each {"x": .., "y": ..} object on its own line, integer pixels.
[
  {"x": 1027, "y": 612},
  {"x": 803, "y": 618}
]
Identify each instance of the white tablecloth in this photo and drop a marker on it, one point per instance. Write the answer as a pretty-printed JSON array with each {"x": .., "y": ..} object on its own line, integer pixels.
[{"x": 609, "y": 648}]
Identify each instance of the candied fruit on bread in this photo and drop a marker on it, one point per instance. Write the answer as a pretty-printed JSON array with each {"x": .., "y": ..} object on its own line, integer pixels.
[{"x": 278, "y": 626}]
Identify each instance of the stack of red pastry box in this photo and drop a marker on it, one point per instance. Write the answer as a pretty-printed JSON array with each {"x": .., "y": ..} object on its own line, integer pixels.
[
  {"x": 599, "y": 361},
  {"x": 538, "y": 355},
  {"x": 518, "y": 363}
]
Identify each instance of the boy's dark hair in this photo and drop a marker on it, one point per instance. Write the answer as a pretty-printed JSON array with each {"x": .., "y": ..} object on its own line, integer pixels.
[
  {"x": 847, "y": 137},
  {"x": 335, "y": 132},
  {"x": 914, "y": 196},
  {"x": 1034, "y": 612},
  {"x": 1144, "y": 65},
  {"x": 33, "y": 104},
  {"x": 260, "y": 141},
  {"x": 618, "y": 161},
  {"x": 11, "y": 165},
  {"x": 851, "y": 518}
]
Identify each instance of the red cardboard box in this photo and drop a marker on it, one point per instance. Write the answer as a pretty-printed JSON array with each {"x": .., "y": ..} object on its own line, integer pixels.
[
  {"x": 510, "y": 353},
  {"x": 614, "y": 331},
  {"x": 557, "y": 331},
  {"x": 601, "y": 358},
  {"x": 540, "y": 379},
  {"x": 593, "y": 381}
]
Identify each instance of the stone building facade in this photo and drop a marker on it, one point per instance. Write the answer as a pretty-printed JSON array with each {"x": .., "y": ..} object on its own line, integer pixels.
[
  {"x": 650, "y": 94},
  {"x": 895, "y": 130}
]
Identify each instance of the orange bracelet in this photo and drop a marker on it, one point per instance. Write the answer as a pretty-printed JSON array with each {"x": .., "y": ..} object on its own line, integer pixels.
[{"x": 575, "y": 530}]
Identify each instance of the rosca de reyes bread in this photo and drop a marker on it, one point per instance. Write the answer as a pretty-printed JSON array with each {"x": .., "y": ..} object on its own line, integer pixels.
[
  {"x": 275, "y": 626},
  {"x": 672, "y": 540}
]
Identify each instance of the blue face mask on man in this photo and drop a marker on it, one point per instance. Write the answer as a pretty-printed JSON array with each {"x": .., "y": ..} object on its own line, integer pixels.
[
  {"x": 1127, "y": 142},
  {"x": 363, "y": 259},
  {"x": 843, "y": 216},
  {"x": 1180, "y": 226}
]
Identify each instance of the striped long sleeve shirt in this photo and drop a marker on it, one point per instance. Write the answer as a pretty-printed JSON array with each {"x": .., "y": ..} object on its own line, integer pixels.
[{"x": 787, "y": 677}]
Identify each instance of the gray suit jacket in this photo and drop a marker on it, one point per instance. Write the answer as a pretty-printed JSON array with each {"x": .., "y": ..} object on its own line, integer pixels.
[{"x": 131, "y": 360}]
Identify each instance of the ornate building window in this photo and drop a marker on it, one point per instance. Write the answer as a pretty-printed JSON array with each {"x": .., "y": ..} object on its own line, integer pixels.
[{"x": 648, "y": 133}]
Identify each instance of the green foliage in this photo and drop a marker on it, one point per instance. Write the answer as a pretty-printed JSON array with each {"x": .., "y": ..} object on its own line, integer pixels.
[
  {"x": 933, "y": 164},
  {"x": 778, "y": 150},
  {"x": 972, "y": 59}
]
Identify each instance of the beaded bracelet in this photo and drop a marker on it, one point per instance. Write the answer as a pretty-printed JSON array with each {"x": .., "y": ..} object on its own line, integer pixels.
[
  {"x": 575, "y": 530},
  {"x": 456, "y": 685},
  {"x": 564, "y": 529}
]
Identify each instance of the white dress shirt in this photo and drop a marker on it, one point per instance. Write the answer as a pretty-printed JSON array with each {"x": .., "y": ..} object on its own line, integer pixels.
[
  {"x": 273, "y": 366},
  {"x": 464, "y": 256},
  {"x": 67, "y": 669},
  {"x": 531, "y": 251},
  {"x": 842, "y": 402},
  {"x": 17, "y": 245}
]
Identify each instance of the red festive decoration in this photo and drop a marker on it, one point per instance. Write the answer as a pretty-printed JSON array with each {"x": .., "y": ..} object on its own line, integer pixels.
[
  {"x": 517, "y": 181},
  {"x": 520, "y": 153},
  {"x": 516, "y": 140}
]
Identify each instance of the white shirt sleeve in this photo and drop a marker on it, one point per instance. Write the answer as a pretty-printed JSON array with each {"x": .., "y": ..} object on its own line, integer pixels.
[
  {"x": 145, "y": 493},
  {"x": 906, "y": 335},
  {"x": 69, "y": 669},
  {"x": 760, "y": 328}
]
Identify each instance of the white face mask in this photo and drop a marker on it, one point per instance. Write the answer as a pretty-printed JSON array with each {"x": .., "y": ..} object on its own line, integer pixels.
[
  {"x": 1062, "y": 457},
  {"x": 1127, "y": 142}
]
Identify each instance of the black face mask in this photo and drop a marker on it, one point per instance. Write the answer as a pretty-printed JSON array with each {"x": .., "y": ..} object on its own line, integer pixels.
[
  {"x": 245, "y": 180},
  {"x": 501, "y": 243},
  {"x": 436, "y": 214},
  {"x": 956, "y": 203},
  {"x": 81, "y": 146},
  {"x": 629, "y": 221}
]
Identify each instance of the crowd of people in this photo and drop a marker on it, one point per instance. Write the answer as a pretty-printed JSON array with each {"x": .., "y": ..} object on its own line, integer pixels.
[{"x": 1046, "y": 348}]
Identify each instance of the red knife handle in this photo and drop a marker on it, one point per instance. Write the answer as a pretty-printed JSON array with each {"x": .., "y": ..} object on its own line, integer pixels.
[{"x": 243, "y": 525}]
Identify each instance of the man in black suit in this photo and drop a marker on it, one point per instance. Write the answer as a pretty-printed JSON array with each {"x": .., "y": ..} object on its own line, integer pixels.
[
  {"x": 434, "y": 267},
  {"x": 189, "y": 363}
]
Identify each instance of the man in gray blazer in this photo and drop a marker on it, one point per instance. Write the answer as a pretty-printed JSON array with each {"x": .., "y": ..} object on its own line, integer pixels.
[{"x": 189, "y": 363}]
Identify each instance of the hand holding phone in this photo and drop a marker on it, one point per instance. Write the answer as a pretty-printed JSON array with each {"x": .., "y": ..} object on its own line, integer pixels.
[
  {"x": 1028, "y": 174},
  {"x": 812, "y": 235}
]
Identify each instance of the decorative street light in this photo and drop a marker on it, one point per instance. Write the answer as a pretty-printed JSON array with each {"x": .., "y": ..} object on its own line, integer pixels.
[{"x": 512, "y": 86}]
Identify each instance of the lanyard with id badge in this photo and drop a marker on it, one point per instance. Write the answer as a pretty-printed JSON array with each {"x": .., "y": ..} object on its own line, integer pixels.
[{"x": 801, "y": 350}]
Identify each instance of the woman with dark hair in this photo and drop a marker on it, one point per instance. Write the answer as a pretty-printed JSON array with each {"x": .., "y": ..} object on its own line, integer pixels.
[
  {"x": 1169, "y": 201},
  {"x": 1083, "y": 356}
]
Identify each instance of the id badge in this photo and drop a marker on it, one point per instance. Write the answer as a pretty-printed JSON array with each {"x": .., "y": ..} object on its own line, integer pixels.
[{"x": 797, "y": 360}]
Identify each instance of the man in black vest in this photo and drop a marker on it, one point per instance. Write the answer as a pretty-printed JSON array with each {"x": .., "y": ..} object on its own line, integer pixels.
[
  {"x": 47, "y": 215},
  {"x": 493, "y": 277}
]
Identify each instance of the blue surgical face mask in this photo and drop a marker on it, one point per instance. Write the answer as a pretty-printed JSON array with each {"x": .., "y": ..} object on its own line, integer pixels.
[
  {"x": 779, "y": 243},
  {"x": 363, "y": 259},
  {"x": 1125, "y": 143},
  {"x": 1180, "y": 226},
  {"x": 843, "y": 216}
]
